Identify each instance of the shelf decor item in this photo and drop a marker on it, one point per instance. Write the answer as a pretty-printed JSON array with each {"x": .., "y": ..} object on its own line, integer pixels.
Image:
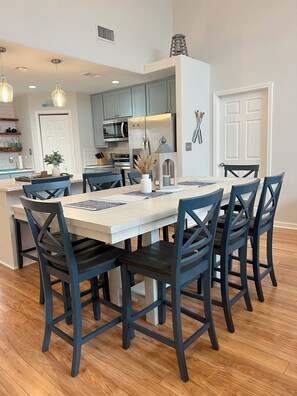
[
  {"x": 54, "y": 159},
  {"x": 165, "y": 167},
  {"x": 178, "y": 45},
  {"x": 144, "y": 164}
]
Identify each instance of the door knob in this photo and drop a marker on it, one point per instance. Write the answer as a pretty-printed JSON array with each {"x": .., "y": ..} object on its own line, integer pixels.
[{"x": 222, "y": 164}]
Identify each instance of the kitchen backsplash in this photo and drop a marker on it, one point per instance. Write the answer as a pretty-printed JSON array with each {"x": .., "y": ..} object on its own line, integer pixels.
[{"x": 89, "y": 154}]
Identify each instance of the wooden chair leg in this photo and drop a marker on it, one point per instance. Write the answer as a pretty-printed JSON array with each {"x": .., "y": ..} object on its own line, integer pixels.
[
  {"x": 270, "y": 257},
  {"x": 41, "y": 291},
  {"x": 225, "y": 294},
  {"x": 67, "y": 301},
  {"x": 19, "y": 244},
  {"x": 49, "y": 312},
  {"x": 256, "y": 269},
  {"x": 95, "y": 298},
  {"x": 206, "y": 279},
  {"x": 105, "y": 286},
  {"x": 177, "y": 334},
  {"x": 127, "y": 306},
  {"x": 243, "y": 277},
  {"x": 162, "y": 307},
  {"x": 77, "y": 329}
]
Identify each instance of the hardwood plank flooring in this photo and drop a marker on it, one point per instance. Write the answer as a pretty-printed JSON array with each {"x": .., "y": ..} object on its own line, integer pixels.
[{"x": 260, "y": 358}]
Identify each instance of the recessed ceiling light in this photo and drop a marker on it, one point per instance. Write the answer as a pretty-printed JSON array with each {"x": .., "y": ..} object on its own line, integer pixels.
[
  {"x": 115, "y": 81},
  {"x": 32, "y": 86},
  {"x": 21, "y": 68}
]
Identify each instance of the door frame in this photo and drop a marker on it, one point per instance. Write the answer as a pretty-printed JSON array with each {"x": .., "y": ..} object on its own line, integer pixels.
[
  {"x": 217, "y": 96},
  {"x": 39, "y": 164}
]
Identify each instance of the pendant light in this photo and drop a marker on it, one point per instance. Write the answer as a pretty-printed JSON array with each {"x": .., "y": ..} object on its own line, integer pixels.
[
  {"x": 58, "y": 95},
  {"x": 6, "y": 90}
]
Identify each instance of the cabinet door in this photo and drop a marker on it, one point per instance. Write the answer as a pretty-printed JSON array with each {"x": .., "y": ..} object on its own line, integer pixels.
[
  {"x": 171, "y": 95},
  {"x": 124, "y": 103},
  {"x": 110, "y": 105},
  {"x": 138, "y": 101},
  {"x": 156, "y": 97},
  {"x": 97, "y": 115}
]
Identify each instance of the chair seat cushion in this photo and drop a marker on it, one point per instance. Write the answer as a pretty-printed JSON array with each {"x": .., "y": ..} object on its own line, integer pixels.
[
  {"x": 156, "y": 257},
  {"x": 89, "y": 254}
]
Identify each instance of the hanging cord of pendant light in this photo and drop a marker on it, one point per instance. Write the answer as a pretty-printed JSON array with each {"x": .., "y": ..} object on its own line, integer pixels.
[
  {"x": 58, "y": 95},
  {"x": 6, "y": 90}
]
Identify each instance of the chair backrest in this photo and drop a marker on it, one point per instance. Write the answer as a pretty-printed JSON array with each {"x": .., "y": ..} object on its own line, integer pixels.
[
  {"x": 237, "y": 221},
  {"x": 134, "y": 177},
  {"x": 48, "y": 190},
  {"x": 105, "y": 182},
  {"x": 37, "y": 180},
  {"x": 194, "y": 252},
  {"x": 86, "y": 177},
  {"x": 268, "y": 202},
  {"x": 54, "y": 248},
  {"x": 235, "y": 170}
]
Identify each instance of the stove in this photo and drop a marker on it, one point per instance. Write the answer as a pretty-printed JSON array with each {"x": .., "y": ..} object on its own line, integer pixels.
[{"x": 121, "y": 161}]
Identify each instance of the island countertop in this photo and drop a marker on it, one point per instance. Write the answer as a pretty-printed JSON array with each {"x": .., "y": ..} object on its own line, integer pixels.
[{"x": 11, "y": 185}]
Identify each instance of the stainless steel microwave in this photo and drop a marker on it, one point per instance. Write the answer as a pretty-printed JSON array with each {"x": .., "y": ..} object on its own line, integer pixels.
[{"x": 115, "y": 130}]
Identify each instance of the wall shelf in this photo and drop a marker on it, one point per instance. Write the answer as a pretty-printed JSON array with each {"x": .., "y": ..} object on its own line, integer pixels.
[
  {"x": 10, "y": 134},
  {"x": 8, "y": 119}
]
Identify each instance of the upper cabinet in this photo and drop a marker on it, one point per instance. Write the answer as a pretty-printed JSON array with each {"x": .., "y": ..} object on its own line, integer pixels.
[
  {"x": 160, "y": 96},
  {"x": 117, "y": 104},
  {"x": 171, "y": 95},
  {"x": 138, "y": 101},
  {"x": 97, "y": 114}
]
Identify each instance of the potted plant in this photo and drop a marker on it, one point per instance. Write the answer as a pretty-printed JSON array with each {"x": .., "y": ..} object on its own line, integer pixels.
[
  {"x": 144, "y": 164},
  {"x": 54, "y": 159}
]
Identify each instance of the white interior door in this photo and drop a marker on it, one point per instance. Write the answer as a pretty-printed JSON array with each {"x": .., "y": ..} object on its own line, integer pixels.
[
  {"x": 242, "y": 136},
  {"x": 56, "y": 135}
]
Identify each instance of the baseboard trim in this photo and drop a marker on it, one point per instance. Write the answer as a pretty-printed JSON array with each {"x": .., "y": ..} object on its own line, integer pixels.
[{"x": 282, "y": 224}]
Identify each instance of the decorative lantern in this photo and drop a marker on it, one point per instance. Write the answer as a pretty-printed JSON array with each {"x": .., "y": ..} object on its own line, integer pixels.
[{"x": 165, "y": 167}]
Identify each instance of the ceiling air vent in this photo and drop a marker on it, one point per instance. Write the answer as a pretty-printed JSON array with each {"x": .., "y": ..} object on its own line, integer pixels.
[{"x": 105, "y": 34}]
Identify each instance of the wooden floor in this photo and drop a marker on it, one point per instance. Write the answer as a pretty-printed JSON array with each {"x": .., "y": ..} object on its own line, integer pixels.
[{"x": 260, "y": 358}]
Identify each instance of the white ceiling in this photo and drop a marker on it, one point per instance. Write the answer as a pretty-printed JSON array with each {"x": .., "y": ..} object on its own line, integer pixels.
[{"x": 42, "y": 73}]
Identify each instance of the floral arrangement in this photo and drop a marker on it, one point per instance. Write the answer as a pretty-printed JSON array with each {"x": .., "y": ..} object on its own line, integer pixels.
[
  {"x": 55, "y": 158},
  {"x": 144, "y": 163}
]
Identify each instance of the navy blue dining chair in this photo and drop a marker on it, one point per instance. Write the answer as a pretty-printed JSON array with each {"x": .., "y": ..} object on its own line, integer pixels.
[
  {"x": 176, "y": 264},
  {"x": 231, "y": 235},
  {"x": 263, "y": 223},
  {"x": 241, "y": 170},
  {"x": 60, "y": 259},
  {"x": 104, "y": 182},
  {"x": 87, "y": 176}
]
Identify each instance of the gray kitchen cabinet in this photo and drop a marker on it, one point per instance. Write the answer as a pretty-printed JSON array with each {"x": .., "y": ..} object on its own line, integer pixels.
[
  {"x": 117, "y": 104},
  {"x": 160, "y": 96},
  {"x": 138, "y": 101},
  {"x": 97, "y": 115},
  {"x": 156, "y": 97}
]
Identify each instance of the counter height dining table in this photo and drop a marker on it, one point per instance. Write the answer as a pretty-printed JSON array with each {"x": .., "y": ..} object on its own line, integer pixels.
[{"x": 137, "y": 216}]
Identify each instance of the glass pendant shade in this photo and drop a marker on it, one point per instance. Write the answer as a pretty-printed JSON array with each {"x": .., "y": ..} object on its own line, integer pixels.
[
  {"x": 59, "y": 97},
  {"x": 6, "y": 91}
]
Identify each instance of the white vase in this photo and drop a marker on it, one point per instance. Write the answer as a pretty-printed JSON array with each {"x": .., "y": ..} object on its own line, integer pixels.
[
  {"x": 55, "y": 171},
  {"x": 146, "y": 184}
]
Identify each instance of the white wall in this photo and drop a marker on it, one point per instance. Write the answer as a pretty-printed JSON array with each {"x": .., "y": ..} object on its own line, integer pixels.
[
  {"x": 247, "y": 43},
  {"x": 143, "y": 29},
  {"x": 27, "y": 108}
]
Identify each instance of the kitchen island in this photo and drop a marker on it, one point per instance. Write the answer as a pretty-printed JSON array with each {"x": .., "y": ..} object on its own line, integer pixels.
[{"x": 10, "y": 190}]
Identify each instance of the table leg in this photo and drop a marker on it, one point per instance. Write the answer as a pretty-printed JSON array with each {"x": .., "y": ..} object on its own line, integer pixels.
[{"x": 150, "y": 284}]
